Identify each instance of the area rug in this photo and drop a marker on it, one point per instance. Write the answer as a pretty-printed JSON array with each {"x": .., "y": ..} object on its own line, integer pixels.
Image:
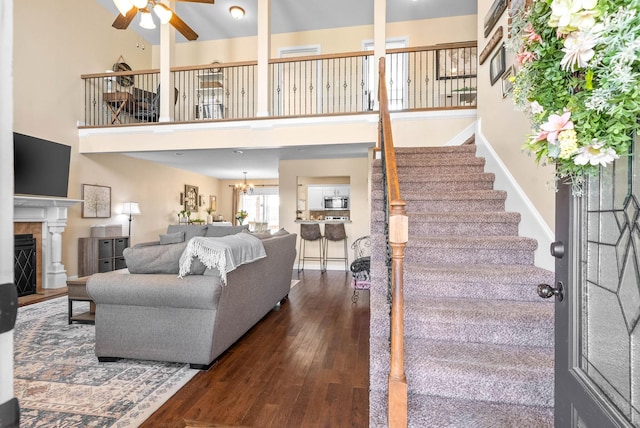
[{"x": 60, "y": 383}]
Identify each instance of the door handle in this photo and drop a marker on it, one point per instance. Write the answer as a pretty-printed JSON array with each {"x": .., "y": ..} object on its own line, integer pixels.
[{"x": 546, "y": 291}]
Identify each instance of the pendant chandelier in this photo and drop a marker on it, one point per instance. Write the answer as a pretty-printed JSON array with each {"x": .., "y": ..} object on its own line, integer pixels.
[{"x": 244, "y": 188}]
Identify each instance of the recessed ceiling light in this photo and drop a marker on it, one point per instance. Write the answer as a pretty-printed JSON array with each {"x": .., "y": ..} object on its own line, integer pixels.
[
  {"x": 238, "y": 152},
  {"x": 179, "y": 154}
]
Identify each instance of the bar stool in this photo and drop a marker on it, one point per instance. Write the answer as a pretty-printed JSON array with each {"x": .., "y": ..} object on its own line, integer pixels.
[
  {"x": 310, "y": 232},
  {"x": 335, "y": 232}
]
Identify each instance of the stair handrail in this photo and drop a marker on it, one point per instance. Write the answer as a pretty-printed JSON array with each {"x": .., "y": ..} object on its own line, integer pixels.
[{"x": 397, "y": 236}]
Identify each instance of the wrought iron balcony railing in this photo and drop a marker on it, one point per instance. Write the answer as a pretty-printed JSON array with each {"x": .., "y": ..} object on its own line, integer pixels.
[{"x": 434, "y": 77}]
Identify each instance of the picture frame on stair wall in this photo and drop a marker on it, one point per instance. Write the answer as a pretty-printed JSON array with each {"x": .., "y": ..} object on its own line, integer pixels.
[{"x": 497, "y": 65}]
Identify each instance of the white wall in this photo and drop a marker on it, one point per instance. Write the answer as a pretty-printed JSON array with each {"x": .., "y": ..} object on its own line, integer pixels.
[{"x": 6, "y": 187}]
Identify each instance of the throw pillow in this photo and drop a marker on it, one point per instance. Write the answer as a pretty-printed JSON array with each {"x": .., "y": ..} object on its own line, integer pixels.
[
  {"x": 259, "y": 235},
  {"x": 172, "y": 238},
  {"x": 214, "y": 231},
  {"x": 190, "y": 230},
  {"x": 281, "y": 232},
  {"x": 154, "y": 259}
]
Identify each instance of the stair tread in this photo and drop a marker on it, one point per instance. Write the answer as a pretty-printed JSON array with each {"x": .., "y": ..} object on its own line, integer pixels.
[
  {"x": 475, "y": 242},
  {"x": 478, "y": 359},
  {"x": 455, "y": 195},
  {"x": 442, "y": 412},
  {"x": 448, "y": 177},
  {"x": 466, "y": 217},
  {"x": 451, "y": 310},
  {"x": 484, "y": 272}
]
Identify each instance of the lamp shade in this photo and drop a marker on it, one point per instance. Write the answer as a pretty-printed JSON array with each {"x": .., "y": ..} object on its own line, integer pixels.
[
  {"x": 131, "y": 208},
  {"x": 163, "y": 13},
  {"x": 139, "y": 3},
  {"x": 123, "y": 6},
  {"x": 146, "y": 20}
]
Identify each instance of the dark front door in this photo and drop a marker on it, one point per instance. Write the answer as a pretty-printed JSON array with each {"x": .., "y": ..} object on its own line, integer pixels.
[{"x": 597, "y": 252}]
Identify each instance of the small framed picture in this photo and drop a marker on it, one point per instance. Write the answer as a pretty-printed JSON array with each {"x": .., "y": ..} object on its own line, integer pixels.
[
  {"x": 96, "y": 201},
  {"x": 497, "y": 65},
  {"x": 213, "y": 206},
  {"x": 191, "y": 201},
  {"x": 507, "y": 82}
]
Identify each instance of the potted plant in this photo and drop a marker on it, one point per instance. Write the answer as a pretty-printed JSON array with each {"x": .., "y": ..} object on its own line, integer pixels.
[
  {"x": 241, "y": 215},
  {"x": 210, "y": 212}
]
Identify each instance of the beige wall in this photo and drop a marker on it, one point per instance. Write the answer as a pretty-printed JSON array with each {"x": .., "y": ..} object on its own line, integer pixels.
[
  {"x": 53, "y": 44},
  {"x": 506, "y": 129},
  {"x": 335, "y": 40}
]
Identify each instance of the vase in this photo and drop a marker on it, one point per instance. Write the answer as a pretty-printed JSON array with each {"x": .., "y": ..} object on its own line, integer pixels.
[{"x": 209, "y": 219}]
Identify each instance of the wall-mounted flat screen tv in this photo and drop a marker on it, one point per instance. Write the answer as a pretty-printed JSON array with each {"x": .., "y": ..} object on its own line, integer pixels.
[{"x": 40, "y": 167}]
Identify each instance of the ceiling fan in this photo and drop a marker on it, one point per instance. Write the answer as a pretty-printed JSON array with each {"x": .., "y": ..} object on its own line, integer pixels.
[{"x": 130, "y": 8}]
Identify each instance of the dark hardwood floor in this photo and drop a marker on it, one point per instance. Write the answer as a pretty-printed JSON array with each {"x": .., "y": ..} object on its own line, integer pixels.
[{"x": 304, "y": 365}]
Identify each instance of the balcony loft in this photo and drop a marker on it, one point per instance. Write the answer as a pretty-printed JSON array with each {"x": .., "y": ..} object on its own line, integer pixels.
[{"x": 302, "y": 92}]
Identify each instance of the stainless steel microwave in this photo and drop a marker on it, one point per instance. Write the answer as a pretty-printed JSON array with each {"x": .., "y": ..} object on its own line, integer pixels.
[{"x": 336, "y": 203}]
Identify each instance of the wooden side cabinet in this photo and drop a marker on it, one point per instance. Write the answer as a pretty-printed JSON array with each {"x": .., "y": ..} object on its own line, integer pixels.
[{"x": 101, "y": 254}]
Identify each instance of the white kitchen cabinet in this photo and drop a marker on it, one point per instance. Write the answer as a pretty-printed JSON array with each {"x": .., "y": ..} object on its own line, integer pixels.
[
  {"x": 315, "y": 198},
  {"x": 336, "y": 190}
]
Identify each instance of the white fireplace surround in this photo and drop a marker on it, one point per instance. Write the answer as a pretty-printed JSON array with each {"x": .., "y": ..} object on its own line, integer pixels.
[{"x": 52, "y": 213}]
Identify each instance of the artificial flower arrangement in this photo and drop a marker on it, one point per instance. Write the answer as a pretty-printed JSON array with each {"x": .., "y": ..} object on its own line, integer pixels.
[
  {"x": 241, "y": 215},
  {"x": 579, "y": 81}
]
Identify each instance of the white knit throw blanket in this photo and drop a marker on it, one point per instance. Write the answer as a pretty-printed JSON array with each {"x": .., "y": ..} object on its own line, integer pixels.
[{"x": 224, "y": 254}]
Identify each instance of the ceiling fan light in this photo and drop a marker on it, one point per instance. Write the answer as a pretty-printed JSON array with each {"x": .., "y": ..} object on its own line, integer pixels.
[
  {"x": 163, "y": 13},
  {"x": 140, "y": 3},
  {"x": 236, "y": 11},
  {"x": 123, "y": 6},
  {"x": 146, "y": 20}
]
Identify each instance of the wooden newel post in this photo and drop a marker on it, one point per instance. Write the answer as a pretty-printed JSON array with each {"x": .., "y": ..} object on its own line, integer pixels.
[{"x": 398, "y": 237}]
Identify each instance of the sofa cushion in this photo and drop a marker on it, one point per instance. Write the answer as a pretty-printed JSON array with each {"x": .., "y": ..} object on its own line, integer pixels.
[
  {"x": 154, "y": 259},
  {"x": 172, "y": 238},
  {"x": 219, "y": 231},
  {"x": 190, "y": 230}
]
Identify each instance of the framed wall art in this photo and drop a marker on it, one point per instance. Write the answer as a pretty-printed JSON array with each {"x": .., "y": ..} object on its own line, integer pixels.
[
  {"x": 96, "y": 201},
  {"x": 493, "y": 15},
  {"x": 191, "y": 198},
  {"x": 213, "y": 206},
  {"x": 507, "y": 82},
  {"x": 456, "y": 63},
  {"x": 493, "y": 42},
  {"x": 497, "y": 65}
]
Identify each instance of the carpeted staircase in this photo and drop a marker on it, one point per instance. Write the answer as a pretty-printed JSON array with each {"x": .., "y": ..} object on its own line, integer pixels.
[{"x": 478, "y": 339}]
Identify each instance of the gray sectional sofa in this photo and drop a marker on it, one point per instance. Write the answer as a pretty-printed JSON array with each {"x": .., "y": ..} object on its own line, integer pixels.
[{"x": 193, "y": 319}]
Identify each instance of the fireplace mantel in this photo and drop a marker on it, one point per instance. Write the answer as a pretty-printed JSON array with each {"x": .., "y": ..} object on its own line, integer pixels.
[{"x": 52, "y": 213}]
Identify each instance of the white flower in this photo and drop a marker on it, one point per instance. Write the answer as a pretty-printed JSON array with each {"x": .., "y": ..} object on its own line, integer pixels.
[
  {"x": 595, "y": 154},
  {"x": 536, "y": 108},
  {"x": 568, "y": 14},
  {"x": 578, "y": 50}
]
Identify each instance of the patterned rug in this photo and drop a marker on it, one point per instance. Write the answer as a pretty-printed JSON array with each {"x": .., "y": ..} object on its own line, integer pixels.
[{"x": 60, "y": 383}]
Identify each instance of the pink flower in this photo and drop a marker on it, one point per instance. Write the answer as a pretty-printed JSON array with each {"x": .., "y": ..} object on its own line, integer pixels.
[
  {"x": 524, "y": 56},
  {"x": 530, "y": 34},
  {"x": 556, "y": 124}
]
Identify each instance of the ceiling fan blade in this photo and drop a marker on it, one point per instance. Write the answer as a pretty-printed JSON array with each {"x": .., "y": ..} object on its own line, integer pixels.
[
  {"x": 122, "y": 22},
  {"x": 199, "y": 1},
  {"x": 183, "y": 28}
]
